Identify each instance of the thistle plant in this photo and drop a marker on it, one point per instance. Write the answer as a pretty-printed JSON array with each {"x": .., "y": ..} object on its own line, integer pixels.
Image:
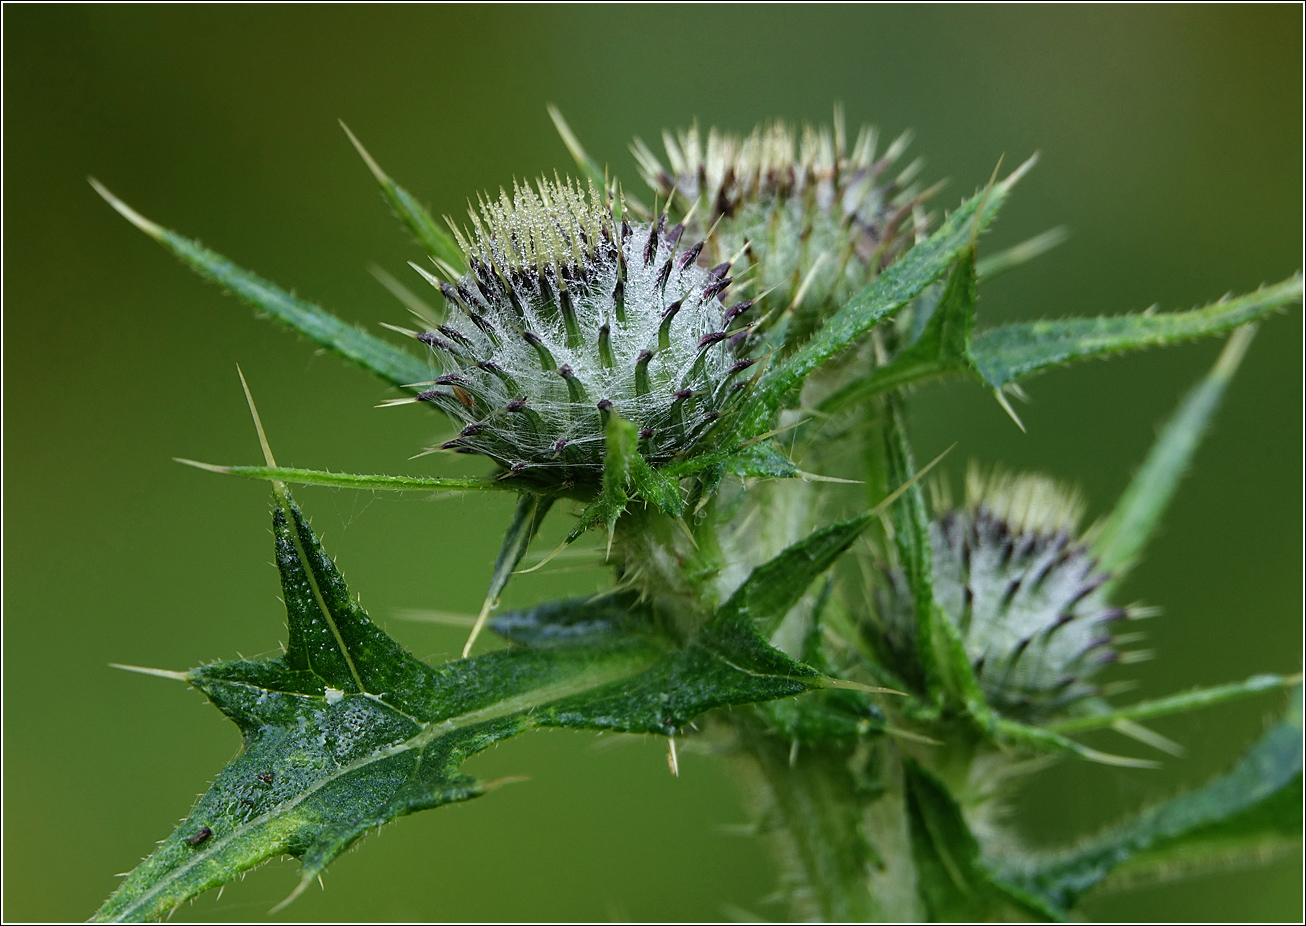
[{"x": 880, "y": 665}]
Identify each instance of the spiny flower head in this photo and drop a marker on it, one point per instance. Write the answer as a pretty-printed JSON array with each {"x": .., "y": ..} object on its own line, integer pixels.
[
  {"x": 569, "y": 313},
  {"x": 1024, "y": 592},
  {"x": 817, "y": 219}
]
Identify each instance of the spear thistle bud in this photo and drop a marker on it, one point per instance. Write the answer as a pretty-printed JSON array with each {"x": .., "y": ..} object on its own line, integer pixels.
[
  {"x": 570, "y": 312},
  {"x": 817, "y": 219},
  {"x": 1024, "y": 592}
]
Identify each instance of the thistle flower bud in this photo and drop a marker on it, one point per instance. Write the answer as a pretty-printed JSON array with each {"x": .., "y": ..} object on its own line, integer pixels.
[
  {"x": 818, "y": 221},
  {"x": 568, "y": 313},
  {"x": 1024, "y": 592}
]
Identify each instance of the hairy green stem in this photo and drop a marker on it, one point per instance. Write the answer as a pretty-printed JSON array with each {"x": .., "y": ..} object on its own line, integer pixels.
[{"x": 812, "y": 807}]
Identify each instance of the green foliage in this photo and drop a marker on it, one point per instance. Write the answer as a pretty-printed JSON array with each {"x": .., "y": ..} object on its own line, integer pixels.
[
  {"x": 1175, "y": 704},
  {"x": 1001, "y": 356},
  {"x": 625, "y": 471},
  {"x": 775, "y": 587},
  {"x": 347, "y": 731},
  {"x": 525, "y": 524},
  {"x": 434, "y": 240},
  {"x": 312, "y": 477},
  {"x": 761, "y": 461},
  {"x": 1013, "y": 352},
  {"x": 1139, "y": 510},
  {"x": 1255, "y": 807},
  {"x": 935, "y": 653},
  {"x": 943, "y": 347},
  {"x": 997, "y": 264},
  {"x": 397, "y": 367}
]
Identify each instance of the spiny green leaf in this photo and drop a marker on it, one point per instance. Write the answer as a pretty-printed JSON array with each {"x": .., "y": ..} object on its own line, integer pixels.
[
  {"x": 911, "y": 536},
  {"x": 821, "y": 716},
  {"x": 952, "y": 882},
  {"x": 347, "y": 731},
  {"x": 434, "y": 240},
  {"x": 1255, "y": 806},
  {"x": 312, "y": 477},
  {"x": 943, "y": 347},
  {"x": 655, "y": 488},
  {"x": 762, "y": 461},
  {"x": 891, "y": 290},
  {"x": 837, "y": 714},
  {"x": 397, "y": 367},
  {"x": 1139, "y": 510},
  {"x": 942, "y": 664},
  {"x": 1175, "y": 704},
  {"x": 754, "y": 458},
  {"x": 1042, "y": 739},
  {"x": 1012, "y": 352},
  {"x": 775, "y": 587},
  {"x": 726, "y": 662}
]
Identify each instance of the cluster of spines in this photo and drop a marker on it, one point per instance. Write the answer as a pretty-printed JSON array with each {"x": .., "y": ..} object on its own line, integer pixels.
[
  {"x": 575, "y": 314},
  {"x": 556, "y": 225},
  {"x": 1028, "y": 503}
]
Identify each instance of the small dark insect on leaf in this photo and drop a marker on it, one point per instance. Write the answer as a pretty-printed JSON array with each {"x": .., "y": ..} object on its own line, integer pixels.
[
  {"x": 200, "y": 837},
  {"x": 266, "y": 778}
]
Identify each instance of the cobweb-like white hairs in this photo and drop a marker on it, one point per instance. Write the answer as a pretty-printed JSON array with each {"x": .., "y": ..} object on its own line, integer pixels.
[
  {"x": 1025, "y": 593},
  {"x": 567, "y": 306}
]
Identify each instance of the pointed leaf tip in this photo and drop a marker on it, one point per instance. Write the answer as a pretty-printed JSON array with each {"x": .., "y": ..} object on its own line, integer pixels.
[
  {"x": 433, "y": 239},
  {"x": 1013, "y": 352},
  {"x": 526, "y": 520},
  {"x": 258, "y": 423},
  {"x": 379, "y": 357},
  {"x": 1018, "y": 174},
  {"x": 900, "y": 283},
  {"x": 127, "y": 212},
  {"x": 1258, "y": 799},
  {"x": 209, "y": 467},
  {"x": 995, "y": 264},
  {"x": 374, "y": 167},
  {"x": 564, "y": 130},
  {"x": 314, "y": 477},
  {"x": 829, "y": 682},
  {"x": 158, "y": 673},
  {"x": 1137, "y": 514}
]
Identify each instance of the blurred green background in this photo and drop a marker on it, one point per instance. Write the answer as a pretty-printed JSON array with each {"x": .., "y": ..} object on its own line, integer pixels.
[{"x": 1171, "y": 143}]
